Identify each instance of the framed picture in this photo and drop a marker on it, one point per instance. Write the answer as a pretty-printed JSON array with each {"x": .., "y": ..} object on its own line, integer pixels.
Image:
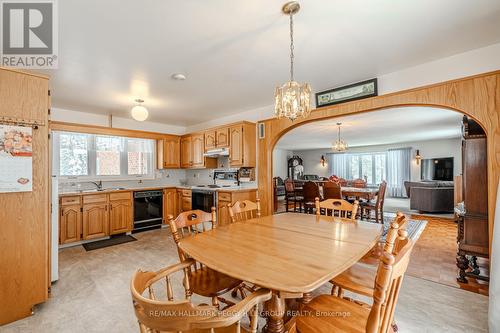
[{"x": 348, "y": 93}]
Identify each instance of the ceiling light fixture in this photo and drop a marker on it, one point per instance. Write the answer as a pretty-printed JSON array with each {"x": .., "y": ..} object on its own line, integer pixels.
[
  {"x": 339, "y": 145},
  {"x": 292, "y": 99},
  {"x": 178, "y": 77},
  {"x": 139, "y": 112}
]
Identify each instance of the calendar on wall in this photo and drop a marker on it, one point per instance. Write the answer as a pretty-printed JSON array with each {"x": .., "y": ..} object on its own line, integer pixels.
[{"x": 16, "y": 158}]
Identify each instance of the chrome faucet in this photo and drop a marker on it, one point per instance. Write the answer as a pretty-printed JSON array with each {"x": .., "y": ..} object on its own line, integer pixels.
[{"x": 98, "y": 185}]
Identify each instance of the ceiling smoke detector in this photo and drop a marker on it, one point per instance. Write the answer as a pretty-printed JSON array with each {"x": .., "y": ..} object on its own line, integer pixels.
[{"x": 178, "y": 77}]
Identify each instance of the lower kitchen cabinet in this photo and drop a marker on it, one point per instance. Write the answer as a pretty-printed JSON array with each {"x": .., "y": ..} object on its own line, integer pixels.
[
  {"x": 70, "y": 224},
  {"x": 95, "y": 222},
  {"x": 120, "y": 216},
  {"x": 169, "y": 204},
  {"x": 184, "y": 200}
]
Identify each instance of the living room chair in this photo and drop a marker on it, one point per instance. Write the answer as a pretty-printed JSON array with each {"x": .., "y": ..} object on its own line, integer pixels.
[
  {"x": 291, "y": 195},
  {"x": 310, "y": 191},
  {"x": 360, "y": 277},
  {"x": 338, "y": 207},
  {"x": 332, "y": 190},
  {"x": 204, "y": 281},
  {"x": 377, "y": 207},
  {"x": 360, "y": 183},
  {"x": 159, "y": 311},
  {"x": 362, "y": 318}
]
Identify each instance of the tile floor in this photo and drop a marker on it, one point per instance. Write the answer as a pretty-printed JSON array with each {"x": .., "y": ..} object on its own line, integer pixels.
[{"x": 92, "y": 294}]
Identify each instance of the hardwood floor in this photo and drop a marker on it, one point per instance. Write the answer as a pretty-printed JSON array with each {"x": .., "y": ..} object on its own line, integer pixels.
[{"x": 433, "y": 257}]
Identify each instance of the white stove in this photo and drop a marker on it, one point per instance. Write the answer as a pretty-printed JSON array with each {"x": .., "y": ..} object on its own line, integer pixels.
[{"x": 204, "y": 197}]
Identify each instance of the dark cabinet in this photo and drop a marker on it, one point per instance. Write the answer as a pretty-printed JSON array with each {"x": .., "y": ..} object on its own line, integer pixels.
[{"x": 473, "y": 239}]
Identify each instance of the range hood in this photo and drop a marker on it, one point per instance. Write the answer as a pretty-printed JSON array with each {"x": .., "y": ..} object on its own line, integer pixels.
[{"x": 217, "y": 152}]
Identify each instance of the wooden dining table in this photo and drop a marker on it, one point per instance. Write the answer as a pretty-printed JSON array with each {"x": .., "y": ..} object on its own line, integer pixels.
[
  {"x": 367, "y": 193},
  {"x": 291, "y": 254}
]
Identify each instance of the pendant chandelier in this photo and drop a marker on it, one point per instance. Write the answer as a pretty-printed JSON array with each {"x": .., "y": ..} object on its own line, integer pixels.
[
  {"x": 292, "y": 99},
  {"x": 339, "y": 145}
]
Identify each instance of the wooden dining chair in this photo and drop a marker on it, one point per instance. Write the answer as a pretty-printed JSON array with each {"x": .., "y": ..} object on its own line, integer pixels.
[
  {"x": 360, "y": 277},
  {"x": 338, "y": 207},
  {"x": 362, "y": 318},
  {"x": 332, "y": 190},
  {"x": 157, "y": 309},
  {"x": 204, "y": 281},
  {"x": 359, "y": 183},
  {"x": 244, "y": 210},
  {"x": 377, "y": 208},
  {"x": 310, "y": 191},
  {"x": 292, "y": 196}
]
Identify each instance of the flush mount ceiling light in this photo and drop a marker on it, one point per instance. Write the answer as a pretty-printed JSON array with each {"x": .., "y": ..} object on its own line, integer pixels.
[
  {"x": 339, "y": 145},
  {"x": 292, "y": 99},
  {"x": 139, "y": 112},
  {"x": 178, "y": 77}
]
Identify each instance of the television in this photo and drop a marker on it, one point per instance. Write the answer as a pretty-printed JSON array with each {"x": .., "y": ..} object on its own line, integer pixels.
[{"x": 437, "y": 169}]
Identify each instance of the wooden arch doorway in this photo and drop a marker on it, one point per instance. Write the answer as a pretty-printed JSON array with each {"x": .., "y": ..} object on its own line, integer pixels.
[{"x": 477, "y": 96}]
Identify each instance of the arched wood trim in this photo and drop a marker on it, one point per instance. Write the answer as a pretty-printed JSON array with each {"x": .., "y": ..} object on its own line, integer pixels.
[{"x": 476, "y": 96}]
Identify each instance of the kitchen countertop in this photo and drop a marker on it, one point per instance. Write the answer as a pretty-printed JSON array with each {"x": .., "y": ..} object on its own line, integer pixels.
[{"x": 149, "y": 188}]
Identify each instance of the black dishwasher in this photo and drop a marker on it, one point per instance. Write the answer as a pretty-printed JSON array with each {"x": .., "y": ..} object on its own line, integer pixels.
[{"x": 148, "y": 210}]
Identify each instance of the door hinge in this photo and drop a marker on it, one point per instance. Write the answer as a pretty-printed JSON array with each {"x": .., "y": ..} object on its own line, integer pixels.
[
  {"x": 49, "y": 136},
  {"x": 49, "y": 92},
  {"x": 81, "y": 209}
]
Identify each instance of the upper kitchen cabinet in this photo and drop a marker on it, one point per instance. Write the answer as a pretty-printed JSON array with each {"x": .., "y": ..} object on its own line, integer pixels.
[
  {"x": 186, "y": 152},
  {"x": 169, "y": 152},
  {"x": 242, "y": 145},
  {"x": 192, "y": 150},
  {"x": 217, "y": 138}
]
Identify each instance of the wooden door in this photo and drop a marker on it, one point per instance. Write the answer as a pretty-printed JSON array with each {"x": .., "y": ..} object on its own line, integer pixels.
[
  {"x": 223, "y": 137},
  {"x": 171, "y": 153},
  {"x": 186, "y": 152},
  {"x": 236, "y": 146},
  {"x": 210, "y": 140},
  {"x": 169, "y": 204},
  {"x": 95, "y": 221},
  {"x": 70, "y": 224},
  {"x": 120, "y": 216},
  {"x": 198, "y": 148}
]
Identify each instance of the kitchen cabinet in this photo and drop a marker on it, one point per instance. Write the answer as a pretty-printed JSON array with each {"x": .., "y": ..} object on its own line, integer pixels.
[
  {"x": 91, "y": 216},
  {"x": 186, "y": 152},
  {"x": 95, "y": 223},
  {"x": 70, "y": 224},
  {"x": 184, "y": 200},
  {"x": 224, "y": 198},
  {"x": 242, "y": 145},
  {"x": 169, "y": 152},
  {"x": 197, "y": 150},
  {"x": 192, "y": 150},
  {"x": 210, "y": 140},
  {"x": 120, "y": 212},
  {"x": 218, "y": 138},
  {"x": 120, "y": 216},
  {"x": 222, "y": 137},
  {"x": 169, "y": 204}
]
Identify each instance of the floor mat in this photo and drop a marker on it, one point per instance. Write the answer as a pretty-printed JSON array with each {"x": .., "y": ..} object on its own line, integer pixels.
[{"x": 114, "y": 240}]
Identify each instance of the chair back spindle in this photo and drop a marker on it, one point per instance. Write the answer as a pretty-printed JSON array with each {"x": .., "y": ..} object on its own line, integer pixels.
[
  {"x": 338, "y": 207},
  {"x": 244, "y": 210}
]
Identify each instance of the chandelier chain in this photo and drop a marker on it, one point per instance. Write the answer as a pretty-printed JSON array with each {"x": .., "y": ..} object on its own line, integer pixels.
[{"x": 292, "y": 56}]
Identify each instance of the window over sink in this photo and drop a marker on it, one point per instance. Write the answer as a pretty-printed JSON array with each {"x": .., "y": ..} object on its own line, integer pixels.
[{"x": 90, "y": 156}]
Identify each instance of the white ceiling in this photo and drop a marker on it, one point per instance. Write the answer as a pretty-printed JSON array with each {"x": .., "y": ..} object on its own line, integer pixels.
[
  {"x": 387, "y": 126},
  {"x": 235, "y": 52}
]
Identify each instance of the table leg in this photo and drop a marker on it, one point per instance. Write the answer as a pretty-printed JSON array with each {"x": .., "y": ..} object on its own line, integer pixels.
[
  {"x": 462, "y": 264},
  {"x": 306, "y": 298},
  {"x": 275, "y": 311}
]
